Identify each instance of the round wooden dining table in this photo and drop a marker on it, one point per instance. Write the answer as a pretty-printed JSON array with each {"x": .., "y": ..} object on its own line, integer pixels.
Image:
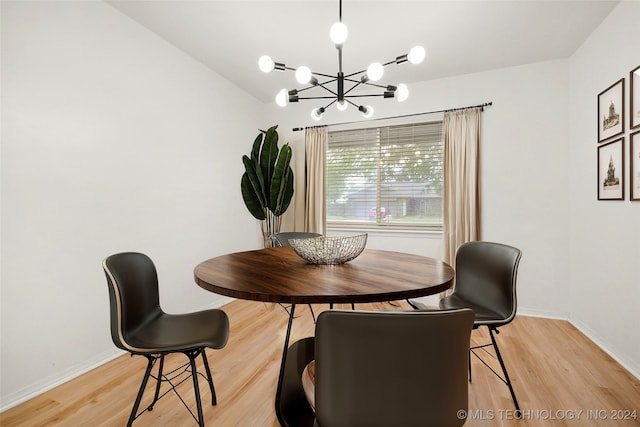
[{"x": 279, "y": 275}]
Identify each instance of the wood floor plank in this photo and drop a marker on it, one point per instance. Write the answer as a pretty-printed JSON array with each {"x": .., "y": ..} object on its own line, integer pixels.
[{"x": 561, "y": 378}]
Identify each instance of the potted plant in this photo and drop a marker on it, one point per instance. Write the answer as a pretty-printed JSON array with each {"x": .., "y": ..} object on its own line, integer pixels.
[{"x": 267, "y": 184}]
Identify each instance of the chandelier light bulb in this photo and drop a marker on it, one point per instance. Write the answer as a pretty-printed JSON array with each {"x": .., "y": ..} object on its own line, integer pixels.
[
  {"x": 402, "y": 92},
  {"x": 366, "y": 111},
  {"x": 338, "y": 33},
  {"x": 416, "y": 55},
  {"x": 281, "y": 98},
  {"x": 342, "y": 105},
  {"x": 316, "y": 114},
  {"x": 375, "y": 71},
  {"x": 266, "y": 64},
  {"x": 303, "y": 75}
]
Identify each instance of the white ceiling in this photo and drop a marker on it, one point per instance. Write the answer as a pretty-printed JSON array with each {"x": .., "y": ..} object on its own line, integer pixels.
[{"x": 461, "y": 37}]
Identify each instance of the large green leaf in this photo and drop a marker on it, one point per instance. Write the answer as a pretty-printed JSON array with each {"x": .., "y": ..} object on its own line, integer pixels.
[
  {"x": 278, "y": 180},
  {"x": 261, "y": 180},
  {"x": 287, "y": 195},
  {"x": 268, "y": 157},
  {"x": 255, "y": 150},
  {"x": 251, "y": 199},
  {"x": 255, "y": 178}
]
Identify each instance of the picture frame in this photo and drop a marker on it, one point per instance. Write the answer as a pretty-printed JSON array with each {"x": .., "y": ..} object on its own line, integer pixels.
[
  {"x": 611, "y": 111},
  {"x": 611, "y": 170},
  {"x": 634, "y": 166},
  {"x": 634, "y": 94}
]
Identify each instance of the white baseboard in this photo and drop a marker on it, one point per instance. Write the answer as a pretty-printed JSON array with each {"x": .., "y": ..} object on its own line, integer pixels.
[
  {"x": 534, "y": 312},
  {"x": 629, "y": 365}
]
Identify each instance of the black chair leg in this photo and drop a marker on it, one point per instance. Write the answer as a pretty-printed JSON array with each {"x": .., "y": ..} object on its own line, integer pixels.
[
  {"x": 143, "y": 385},
  {"x": 469, "y": 366},
  {"x": 504, "y": 371},
  {"x": 155, "y": 396},
  {"x": 194, "y": 373},
  {"x": 214, "y": 399},
  {"x": 312, "y": 314}
]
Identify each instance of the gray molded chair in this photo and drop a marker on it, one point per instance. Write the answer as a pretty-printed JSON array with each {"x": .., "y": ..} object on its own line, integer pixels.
[
  {"x": 283, "y": 238},
  {"x": 139, "y": 326},
  {"x": 380, "y": 369},
  {"x": 486, "y": 275}
]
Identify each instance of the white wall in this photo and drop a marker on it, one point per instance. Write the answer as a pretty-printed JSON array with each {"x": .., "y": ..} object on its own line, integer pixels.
[
  {"x": 604, "y": 235},
  {"x": 524, "y": 174},
  {"x": 112, "y": 140}
]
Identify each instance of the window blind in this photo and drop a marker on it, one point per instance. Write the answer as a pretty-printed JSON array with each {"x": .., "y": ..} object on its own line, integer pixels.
[{"x": 386, "y": 175}]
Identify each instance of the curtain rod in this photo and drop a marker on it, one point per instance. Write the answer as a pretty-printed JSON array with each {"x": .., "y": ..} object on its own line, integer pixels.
[{"x": 481, "y": 106}]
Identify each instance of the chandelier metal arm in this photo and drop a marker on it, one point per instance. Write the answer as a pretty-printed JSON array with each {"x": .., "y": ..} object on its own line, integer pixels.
[
  {"x": 329, "y": 76},
  {"x": 322, "y": 85},
  {"x": 364, "y": 71},
  {"x": 362, "y": 95},
  {"x": 303, "y": 89},
  {"x": 284, "y": 67},
  {"x": 352, "y": 103},
  {"x": 354, "y": 74},
  {"x": 327, "y": 89},
  {"x": 318, "y": 84},
  {"x": 317, "y": 97},
  {"x": 375, "y": 85},
  {"x": 360, "y": 82},
  {"x": 357, "y": 83},
  {"x": 395, "y": 61}
]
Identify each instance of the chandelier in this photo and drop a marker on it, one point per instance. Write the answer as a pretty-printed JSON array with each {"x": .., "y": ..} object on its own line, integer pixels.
[{"x": 336, "y": 84}]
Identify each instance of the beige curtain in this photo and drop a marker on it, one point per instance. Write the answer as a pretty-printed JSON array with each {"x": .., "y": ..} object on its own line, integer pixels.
[
  {"x": 293, "y": 218},
  {"x": 315, "y": 149},
  {"x": 461, "y": 189}
]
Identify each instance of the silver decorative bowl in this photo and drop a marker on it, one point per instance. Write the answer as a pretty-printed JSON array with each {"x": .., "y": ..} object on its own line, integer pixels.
[{"x": 329, "y": 250}]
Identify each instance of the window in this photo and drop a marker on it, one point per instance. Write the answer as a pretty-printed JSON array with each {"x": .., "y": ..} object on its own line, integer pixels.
[{"x": 386, "y": 176}]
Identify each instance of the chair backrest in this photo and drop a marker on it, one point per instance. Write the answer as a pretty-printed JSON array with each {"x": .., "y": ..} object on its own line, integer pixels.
[
  {"x": 133, "y": 294},
  {"x": 392, "y": 368},
  {"x": 486, "y": 275},
  {"x": 283, "y": 238}
]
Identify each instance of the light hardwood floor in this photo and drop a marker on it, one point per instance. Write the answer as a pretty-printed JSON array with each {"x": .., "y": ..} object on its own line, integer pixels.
[{"x": 556, "y": 371}]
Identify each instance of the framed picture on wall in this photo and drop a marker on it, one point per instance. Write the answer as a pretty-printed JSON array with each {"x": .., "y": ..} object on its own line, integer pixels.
[
  {"x": 611, "y": 170},
  {"x": 611, "y": 111},
  {"x": 634, "y": 105},
  {"x": 634, "y": 166}
]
